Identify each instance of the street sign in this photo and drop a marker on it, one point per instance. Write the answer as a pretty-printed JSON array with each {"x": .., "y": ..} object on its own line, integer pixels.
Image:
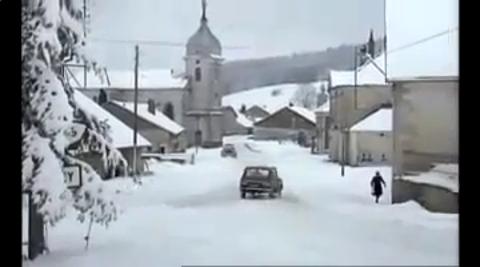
[{"x": 73, "y": 176}]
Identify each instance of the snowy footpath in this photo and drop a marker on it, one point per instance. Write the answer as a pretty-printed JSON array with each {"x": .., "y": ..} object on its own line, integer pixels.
[{"x": 193, "y": 215}]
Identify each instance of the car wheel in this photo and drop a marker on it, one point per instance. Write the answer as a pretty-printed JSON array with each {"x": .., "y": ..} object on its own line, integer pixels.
[{"x": 242, "y": 194}]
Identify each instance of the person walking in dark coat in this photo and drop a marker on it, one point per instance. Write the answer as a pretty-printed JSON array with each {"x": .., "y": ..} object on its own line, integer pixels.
[{"x": 376, "y": 184}]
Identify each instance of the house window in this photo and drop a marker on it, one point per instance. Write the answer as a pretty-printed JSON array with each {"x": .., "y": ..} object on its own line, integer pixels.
[
  {"x": 198, "y": 74},
  {"x": 162, "y": 150},
  {"x": 197, "y": 61}
]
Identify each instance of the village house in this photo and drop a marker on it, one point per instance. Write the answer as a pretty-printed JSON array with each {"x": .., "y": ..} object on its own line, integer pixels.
[
  {"x": 255, "y": 113},
  {"x": 370, "y": 140},
  {"x": 235, "y": 123},
  {"x": 425, "y": 99},
  {"x": 287, "y": 123},
  {"x": 161, "y": 85},
  {"x": 121, "y": 135},
  {"x": 350, "y": 103},
  {"x": 165, "y": 135}
]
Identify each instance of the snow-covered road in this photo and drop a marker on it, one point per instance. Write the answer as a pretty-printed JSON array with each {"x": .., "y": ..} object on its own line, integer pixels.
[{"x": 193, "y": 215}]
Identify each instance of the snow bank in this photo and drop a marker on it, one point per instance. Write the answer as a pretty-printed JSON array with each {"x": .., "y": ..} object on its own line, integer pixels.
[
  {"x": 159, "y": 119},
  {"x": 121, "y": 134},
  {"x": 435, "y": 179},
  {"x": 446, "y": 168},
  {"x": 412, "y": 53},
  {"x": 380, "y": 121},
  {"x": 442, "y": 175}
]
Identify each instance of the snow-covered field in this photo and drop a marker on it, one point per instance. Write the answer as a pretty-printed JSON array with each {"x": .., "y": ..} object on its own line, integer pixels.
[{"x": 193, "y": 215}]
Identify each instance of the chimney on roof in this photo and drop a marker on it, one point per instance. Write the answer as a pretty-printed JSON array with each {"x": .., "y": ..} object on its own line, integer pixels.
[
  {"x": 290, "y": 104},
  {"x": 151, "y": 106}
]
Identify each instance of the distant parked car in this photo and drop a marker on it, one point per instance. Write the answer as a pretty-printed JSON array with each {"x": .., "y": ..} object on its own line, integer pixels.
[
  {"x": 261, "y": 179},
  {"x": 228, "y": 150}
]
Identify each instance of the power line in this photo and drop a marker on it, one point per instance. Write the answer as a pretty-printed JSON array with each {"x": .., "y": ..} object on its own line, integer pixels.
[
  {"x": 154, "y": 43},
  {"x": 422, "y": 40}
]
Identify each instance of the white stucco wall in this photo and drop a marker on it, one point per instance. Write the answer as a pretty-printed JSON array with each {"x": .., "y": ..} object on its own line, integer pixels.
[
  {"x": 344, "y": 113},
  {"x": 343, "y": 110},
  {"x": 425, "y": 124},
  {"x": 322, "y": 132},
  {"x": 370, "y": 143}
]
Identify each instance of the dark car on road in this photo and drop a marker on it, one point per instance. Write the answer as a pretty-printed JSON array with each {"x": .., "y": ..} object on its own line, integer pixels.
[
  {"x": 228, "y": 150},
  {"x": 261, "y": 179}
]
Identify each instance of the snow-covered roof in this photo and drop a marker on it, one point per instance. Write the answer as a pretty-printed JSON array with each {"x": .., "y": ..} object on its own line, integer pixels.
[
  {"x": 159, "y": 119},
  {"x": 121, "y": 134},
  {"x": 422, "y": 38},
  {"x": 270, "y": 98},
  {"x": 325, "y": 107},
  {"x": 305, "y": 113},
  {"x": 242, "y": 120},
  {"x": 380, "y": 121},
  {"x": 366, "y": 75},
  {"x": 125, "y": 79}
]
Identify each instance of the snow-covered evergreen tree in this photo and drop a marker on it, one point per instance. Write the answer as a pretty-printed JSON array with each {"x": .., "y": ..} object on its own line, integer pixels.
[{"x": 51, "y": 36}]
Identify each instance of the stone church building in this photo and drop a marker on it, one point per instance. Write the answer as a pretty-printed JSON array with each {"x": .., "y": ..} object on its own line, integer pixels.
[
  {"x": 193, "y": 98},
  {"x": 203, "y": 95}
]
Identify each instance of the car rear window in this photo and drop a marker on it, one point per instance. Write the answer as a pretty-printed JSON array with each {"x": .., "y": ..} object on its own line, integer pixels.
[{"x": 258, "y": 172}]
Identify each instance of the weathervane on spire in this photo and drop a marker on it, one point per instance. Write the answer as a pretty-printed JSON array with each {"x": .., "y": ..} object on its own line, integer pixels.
[{"x": 204, "y": 10}]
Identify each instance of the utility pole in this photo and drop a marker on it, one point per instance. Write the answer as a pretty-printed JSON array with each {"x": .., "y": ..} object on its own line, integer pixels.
[
  {"x": 135, "y": 123},
  {"x": 85, "y": 37},
  {"x": 343, "y": 151},
  {"x": 355, "y": 77}
]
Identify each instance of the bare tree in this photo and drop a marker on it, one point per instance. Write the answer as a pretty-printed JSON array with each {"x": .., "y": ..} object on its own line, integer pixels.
[{"x": 305, "y": 96}]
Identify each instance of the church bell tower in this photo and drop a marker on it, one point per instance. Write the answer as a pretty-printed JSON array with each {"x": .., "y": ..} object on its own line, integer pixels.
[{"x": 202, "y": 99}]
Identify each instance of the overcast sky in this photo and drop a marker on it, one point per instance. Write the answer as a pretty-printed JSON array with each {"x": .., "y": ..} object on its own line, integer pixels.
[{"x": 265, "y": 27}]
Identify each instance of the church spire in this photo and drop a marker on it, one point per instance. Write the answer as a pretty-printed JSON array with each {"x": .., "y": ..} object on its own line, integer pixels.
[
  {"x": 204, "y": 11},
  {"x": 371, "y": 44}
]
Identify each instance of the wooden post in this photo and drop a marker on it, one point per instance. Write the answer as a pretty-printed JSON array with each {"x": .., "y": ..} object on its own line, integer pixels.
[
  {"x": 36, "y": 237},
  {"x": 85, "y": 36},
  {"x": 135, "y": 127}
]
